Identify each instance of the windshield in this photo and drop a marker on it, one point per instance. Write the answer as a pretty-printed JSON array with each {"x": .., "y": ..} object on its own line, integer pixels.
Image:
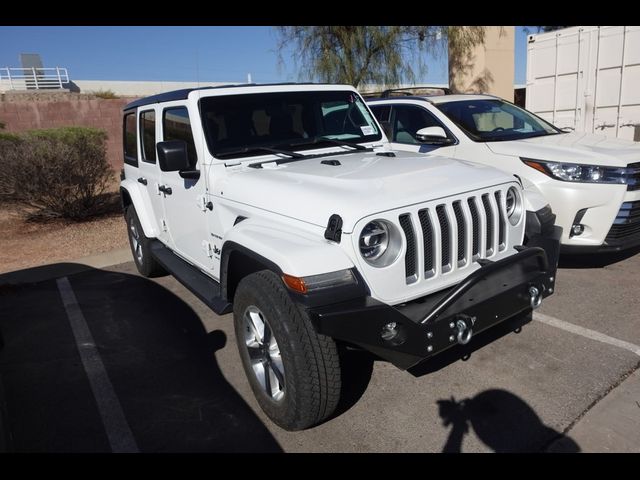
[
  {"x": 492, "y": 120},
  {"x": 236, "y": 125}
]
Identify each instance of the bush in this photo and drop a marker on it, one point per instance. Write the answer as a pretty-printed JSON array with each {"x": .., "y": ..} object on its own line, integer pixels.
[
  {"x": 106, "y": 94},
  {"x": 60, "y": 172}
]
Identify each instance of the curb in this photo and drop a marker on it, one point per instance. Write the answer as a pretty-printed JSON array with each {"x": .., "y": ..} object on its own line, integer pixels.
[{"x": 612, "y": 425}]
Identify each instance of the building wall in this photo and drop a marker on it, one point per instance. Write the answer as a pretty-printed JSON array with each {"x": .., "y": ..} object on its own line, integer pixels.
[
  {"x": 136, "y": 88},
  {"x": 489, "y": 67},
  {"x": 28, "y": 111}
]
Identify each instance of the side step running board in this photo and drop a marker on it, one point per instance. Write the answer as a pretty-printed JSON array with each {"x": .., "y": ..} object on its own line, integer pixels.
[{"x": 202, "y": 286}]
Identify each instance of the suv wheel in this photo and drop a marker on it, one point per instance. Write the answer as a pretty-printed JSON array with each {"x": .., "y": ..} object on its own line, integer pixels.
[
  {"x": 141, "y": 247},
  {"x": 293, "y": 371}
]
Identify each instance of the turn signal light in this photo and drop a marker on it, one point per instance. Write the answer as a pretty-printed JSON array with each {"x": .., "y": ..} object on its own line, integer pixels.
[{"x": 294, "y": 283}]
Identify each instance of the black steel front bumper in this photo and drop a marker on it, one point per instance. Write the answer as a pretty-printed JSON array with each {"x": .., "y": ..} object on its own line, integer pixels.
[{"x": 410, "y": 333}]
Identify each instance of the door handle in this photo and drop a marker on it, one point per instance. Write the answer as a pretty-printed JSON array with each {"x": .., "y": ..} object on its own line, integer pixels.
[
  {"x": 142, "y": 180},
  {"x": 164, "y": 189}
]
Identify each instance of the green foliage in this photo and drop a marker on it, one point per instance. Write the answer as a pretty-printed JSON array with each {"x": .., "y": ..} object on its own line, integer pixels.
[
  {"x": 61, "y": 172},
  {"x": 106, "y": 94},
  {"x": 360, "y": 55}
]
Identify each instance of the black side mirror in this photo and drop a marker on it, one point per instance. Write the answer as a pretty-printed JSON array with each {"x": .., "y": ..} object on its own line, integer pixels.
[{"x": 172, "y": 156}]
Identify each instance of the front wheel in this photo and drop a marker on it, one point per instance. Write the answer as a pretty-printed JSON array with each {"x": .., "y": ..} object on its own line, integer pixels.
[{"x": 293, "y": 371}]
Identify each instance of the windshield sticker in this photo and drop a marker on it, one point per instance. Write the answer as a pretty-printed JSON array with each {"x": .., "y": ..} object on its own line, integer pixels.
[{"x": 367, "y": 130}]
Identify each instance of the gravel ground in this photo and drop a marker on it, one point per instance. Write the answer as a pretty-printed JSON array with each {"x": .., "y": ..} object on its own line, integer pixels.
[{"x": 28, "y": 244}]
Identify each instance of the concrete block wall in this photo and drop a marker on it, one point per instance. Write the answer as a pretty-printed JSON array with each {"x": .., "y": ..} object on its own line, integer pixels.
[{"x": 21, "y": 112}]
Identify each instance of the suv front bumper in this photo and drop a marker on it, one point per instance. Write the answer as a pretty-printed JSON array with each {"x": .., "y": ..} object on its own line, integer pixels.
[{"x": 409, "y": 333}]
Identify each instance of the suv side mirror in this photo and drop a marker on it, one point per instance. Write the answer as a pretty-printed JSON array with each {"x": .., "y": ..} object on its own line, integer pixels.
[
  {"x": 433, "y": 136},
  {"x": 172, "y": 156}
]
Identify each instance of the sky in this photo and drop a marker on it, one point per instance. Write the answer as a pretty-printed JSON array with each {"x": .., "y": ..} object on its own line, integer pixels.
[{"x": 207, "y": 54}]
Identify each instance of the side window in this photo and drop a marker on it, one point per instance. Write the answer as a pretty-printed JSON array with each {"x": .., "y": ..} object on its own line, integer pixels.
[
  {"x": 130, "y": 139},
  {"x": 148, "y": 135},
  {"x": 383, "y": 114},
  {"x": 408, "y": 120},
  {"x": 176, "y": 126}
]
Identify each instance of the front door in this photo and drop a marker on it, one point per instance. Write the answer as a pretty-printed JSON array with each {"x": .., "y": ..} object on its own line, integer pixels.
[
  {"x": 185, "y": 209},
  {"x": 401, "y": 122}
]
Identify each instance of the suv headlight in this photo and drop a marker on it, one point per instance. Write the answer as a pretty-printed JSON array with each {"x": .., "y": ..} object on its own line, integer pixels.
[
  {"x": 514, "y": 205},
  {"x": 574, "y": 172},
  {"x": 380, "y": 243}
]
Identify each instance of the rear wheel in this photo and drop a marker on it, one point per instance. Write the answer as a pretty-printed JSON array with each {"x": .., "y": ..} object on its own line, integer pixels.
[
  {"x": 141, "y": 247},
  {"x": 293, "y": 371}
]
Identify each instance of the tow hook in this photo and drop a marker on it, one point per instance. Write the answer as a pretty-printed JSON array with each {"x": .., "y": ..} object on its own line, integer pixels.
[
  {"x": 464, "y": 325},
  {"x": 536, "y": 297}
]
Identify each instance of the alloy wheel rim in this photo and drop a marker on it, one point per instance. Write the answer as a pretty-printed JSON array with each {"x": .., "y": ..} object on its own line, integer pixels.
[
  {"x": 264, "y": 353},
  {"x": 135, "y": 241}
]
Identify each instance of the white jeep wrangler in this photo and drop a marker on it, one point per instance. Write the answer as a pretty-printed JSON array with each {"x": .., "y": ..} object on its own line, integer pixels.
[{"x": 286, "y": 205}]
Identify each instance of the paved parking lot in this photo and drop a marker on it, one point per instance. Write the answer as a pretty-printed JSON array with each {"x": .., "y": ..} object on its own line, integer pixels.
[{"x": 103, "y": 359}]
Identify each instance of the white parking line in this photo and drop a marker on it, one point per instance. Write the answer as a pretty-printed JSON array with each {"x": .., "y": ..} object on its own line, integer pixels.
[
  {"x": 586, "y": 332},
  {"x": 115, "y": 424}
]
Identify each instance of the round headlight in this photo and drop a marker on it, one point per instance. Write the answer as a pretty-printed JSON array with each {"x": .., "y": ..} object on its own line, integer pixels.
[
  {"x": 380, "y": 243},
  {"x": 514, "y": 205}
]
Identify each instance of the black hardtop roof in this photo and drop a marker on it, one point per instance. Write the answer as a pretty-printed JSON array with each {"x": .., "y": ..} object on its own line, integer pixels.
[{"x": 184, "y": 93}]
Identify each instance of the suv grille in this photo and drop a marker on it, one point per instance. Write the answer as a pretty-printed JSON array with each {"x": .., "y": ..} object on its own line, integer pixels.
[
  {"x": 634, "y": 178},
  {"x": 626, "y": 224},
  {"x": 459, "y": 231}
]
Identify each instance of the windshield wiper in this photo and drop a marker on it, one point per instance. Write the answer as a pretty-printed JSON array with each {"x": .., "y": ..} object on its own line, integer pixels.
[
  {"x": 259, "y": 149},
  {"x": 341, "y": 143}
]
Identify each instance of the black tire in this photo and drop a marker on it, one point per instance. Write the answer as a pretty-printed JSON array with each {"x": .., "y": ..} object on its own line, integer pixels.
[
  {"x": 311, "y": 386},
  {"x": 141, "y": 247}
]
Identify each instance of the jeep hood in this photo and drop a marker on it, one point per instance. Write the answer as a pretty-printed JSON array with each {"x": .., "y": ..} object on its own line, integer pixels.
[
  {"x": 584, "y": 148},
  {"x": 362, "y": 184}
]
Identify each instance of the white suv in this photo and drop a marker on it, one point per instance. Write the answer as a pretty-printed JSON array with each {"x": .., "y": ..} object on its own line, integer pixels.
[
  {"x": 284, "y": 204},
  {"x": 591, "y": 182}
]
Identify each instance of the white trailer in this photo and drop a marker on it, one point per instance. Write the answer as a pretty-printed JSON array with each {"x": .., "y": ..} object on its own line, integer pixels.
[{"x": 587, "y": 79}]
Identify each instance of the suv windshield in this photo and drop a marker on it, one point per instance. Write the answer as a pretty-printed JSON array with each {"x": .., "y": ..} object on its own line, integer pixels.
[
  {"x": 492, "y": 120},
  {"x": 235, "y": 125}
]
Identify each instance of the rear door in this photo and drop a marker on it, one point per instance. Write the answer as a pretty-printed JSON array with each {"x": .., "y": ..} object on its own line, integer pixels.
[{"x": 148, "y": 169}]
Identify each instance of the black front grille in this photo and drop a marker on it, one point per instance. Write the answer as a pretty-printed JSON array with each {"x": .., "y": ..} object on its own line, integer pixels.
[
  {"x": 627, "y": 222},
  {"x": 634, "y": 178},
  {"x": 501, "y": 222},
  {"x": 475, "y": 220},
  {"x": 427, "y": 235},
  {"x": 487, "y": 210},
  {"x": 446, "y": 235},
  {"x": 410, "y": 257},
  {"x": 462, "y": 231}
]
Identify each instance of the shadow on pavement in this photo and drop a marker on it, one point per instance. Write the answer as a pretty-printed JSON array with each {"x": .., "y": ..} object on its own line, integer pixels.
[
  {"x": 599, "y": 260},
  {"x": 157, "y": 354},
  {"x": 501, "y": 420}
]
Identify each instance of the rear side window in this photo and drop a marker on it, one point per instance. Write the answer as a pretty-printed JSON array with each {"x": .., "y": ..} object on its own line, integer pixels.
[
  {"x": 382, "y": 112},
  {"x": 148, "y": 135},
  {"x": 176, "y": 126},
  {"x": 130, "y": 139}
]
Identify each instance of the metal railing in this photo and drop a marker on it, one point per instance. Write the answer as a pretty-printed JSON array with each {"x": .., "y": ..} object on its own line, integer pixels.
[{"x": 33, "y": 78}]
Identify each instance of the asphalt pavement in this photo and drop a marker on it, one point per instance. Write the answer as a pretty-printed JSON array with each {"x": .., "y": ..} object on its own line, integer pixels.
[{"x": 97, "y": 358}]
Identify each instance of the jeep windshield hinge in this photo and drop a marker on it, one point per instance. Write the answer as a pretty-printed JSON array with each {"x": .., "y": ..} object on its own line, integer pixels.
[{"x": 334, "y": 228}]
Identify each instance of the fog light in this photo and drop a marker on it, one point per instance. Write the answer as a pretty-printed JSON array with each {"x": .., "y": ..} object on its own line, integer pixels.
[
  {"x": 577, "y": 229},
  {"x": 389, "y": 331}
]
